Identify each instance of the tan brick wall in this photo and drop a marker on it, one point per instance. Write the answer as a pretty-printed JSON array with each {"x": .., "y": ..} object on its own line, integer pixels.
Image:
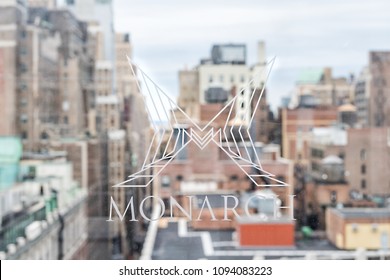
[{"x": 373, "y": 143}]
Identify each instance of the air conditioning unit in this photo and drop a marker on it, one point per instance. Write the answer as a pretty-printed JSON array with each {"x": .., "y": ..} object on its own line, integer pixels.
[
  {"x": 33, "y": 230},
  {"x": 21, "y": 241}
]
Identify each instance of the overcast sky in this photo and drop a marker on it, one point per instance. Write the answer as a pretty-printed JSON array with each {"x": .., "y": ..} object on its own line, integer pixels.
[{"x": 169, "y": 35}]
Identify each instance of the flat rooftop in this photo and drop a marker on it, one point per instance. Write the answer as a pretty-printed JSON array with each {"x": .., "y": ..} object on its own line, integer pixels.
[
  {"x": 176, "y": 241},
  {"x": 374, "y": 213}
]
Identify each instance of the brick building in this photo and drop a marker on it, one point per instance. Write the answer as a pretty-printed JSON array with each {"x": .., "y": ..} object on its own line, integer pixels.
[
  {"x": 296, "y": 129},
  {"x": 379, "y": 89},
  {"x": 367, "y": 161},
  {"x": 209, "y": 171},
  {"x": 323, "y": 89}
]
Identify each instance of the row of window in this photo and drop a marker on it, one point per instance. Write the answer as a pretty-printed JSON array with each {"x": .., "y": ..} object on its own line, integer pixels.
[
  {"x": 166, "y": 180},
  {"x": 232, "y": 78},
  {"x": 363, "y": 184},
  {"x": 317, "y": 153},
  {"x": 363, "y": 156},
  {"x": 355, "y": 227}
]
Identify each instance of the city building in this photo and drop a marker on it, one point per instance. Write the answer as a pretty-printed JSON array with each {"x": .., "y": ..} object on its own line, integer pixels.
[
  {"x": 43, "y": 213},
  {"x": 75, "y": 72},
  {"x": 328, "y": 186},
  {"x": 39, "y": 104},
  {"x": 362, "y": 97},
  {"x": 89, "y": 161},
  {"x": 65, "y": 89},
  {"x": 210, "y": 172},
  {"x": 327, "y": 143},
  {"x": 99, "y": 11},
  {"x": 359, "y": 228},
  {"x": 50, "y": 4},
  {"x": 296, "y": 137},
  {"x": 169, "y": 239},
  {"x": 379, "y": 108},
  {"x": 135, "y": 119},
  {"x": 10, "y": 154},
  {"x": 367, "y": 162},
  {"x": 222, "y": 77},
  {"x": 322, "y": 89},
  {"x": 189, "y": 97},
  {"x": 348, "y": 115},
  {"x": 297, "y": 125},
  {"x": 272, "y": 233},
  {"x": 373, "y": 108},
  {"x": 45, "y": 78},
  {"x": 12, "y": 24}
]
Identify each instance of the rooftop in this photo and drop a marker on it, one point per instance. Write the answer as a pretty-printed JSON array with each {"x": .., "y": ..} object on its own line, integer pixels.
[
  {"x": 10, "y": 149},
  {"x": 332, "y": 135},
  {"x": 373, "y": 213},
  {"x": 310, "y": 76},
  {"x": 332, "y": 159},
  {"x": 48, "y": 155},
  {"x": 347, "y": 108},
  {"x": 175, "y": 241}
]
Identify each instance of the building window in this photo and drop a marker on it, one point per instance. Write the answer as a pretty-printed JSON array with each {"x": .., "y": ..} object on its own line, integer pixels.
[
  {"x": 23, "y": 102},
  {"x": 388, "y": 137},
  {"x": 23, "y": 34},
  {"x": 22, "y": 51},
  {"x": 363, "y": 154},
  {"x": 210, "y": 79},
  {"x": 363, "y": 184},
  {"x": 23, "y": 68},
  {"x": 315, "y": 166},
  {"x": 363, "y": 169},
  {"x": 242, "y": 105},
  {"x": 179, "y": 177},
  {"x": 317, "y": 153},
  {"x": 281, "y": 178},
  {"x": 221, "y": 78},
  {"x": 234, "y": 178},
  {"x": 242, "y": 79},
  {"x": 165, "y": 181},
  {"x": 23, "y": 118},
  {"x": 333, "y": 196},
  {"x": 44, "y": 135},
  {"x": 232, "y": 79},
  {"x": 22, "y": 86}
]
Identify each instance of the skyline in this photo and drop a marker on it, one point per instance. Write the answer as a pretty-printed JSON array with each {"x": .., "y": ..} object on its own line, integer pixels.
[{"x": 327, "y": 35}]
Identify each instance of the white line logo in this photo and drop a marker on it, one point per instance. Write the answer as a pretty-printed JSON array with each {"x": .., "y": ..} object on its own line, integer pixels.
[{"x": 227, "y": 137}]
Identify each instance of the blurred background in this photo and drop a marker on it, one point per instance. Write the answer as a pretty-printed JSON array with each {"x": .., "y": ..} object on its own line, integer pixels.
[{"x": 77, "y": 117}]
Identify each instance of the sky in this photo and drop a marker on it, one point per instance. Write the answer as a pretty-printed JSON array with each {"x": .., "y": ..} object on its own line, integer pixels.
[{"x": 171, "y": 35}]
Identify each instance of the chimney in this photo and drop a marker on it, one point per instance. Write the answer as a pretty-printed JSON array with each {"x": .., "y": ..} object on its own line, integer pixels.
[
  {"x": 261, "y": 52},
  {"x": 327, "y": 75}
]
